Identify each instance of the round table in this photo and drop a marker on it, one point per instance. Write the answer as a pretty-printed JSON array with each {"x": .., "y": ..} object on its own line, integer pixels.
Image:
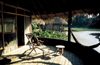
[{"x": 60, "y": 46}]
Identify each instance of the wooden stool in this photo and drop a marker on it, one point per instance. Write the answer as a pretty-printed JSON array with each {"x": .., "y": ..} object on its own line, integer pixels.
[
  {"x": 60, "y": 46},
  {"x": 46, "y": 51}
]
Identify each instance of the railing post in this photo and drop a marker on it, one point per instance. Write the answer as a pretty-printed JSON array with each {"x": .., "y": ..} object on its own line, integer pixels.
[
  {"x": 2, "y": 25},
  {"x": 69, "y": 24}
]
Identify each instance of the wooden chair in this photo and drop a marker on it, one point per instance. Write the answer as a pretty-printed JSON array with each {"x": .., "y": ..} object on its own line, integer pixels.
[
  {"x": 38, "y": 42},
  {"x": 32, "y": 44},
  {"x": 31, "y": 37},
  {"x": 44, "y": 52}
]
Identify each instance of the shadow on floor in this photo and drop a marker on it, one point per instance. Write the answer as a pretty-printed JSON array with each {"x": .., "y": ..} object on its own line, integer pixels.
[
  {"x": 86, "y": 54},
  {"x": 25, "y": 57},
  {"x": 47, "y": 63},
  {"x": 1, "y": 52},
  {"x": 8, "y": 58},
  {"x": 4, "y": 61},
  {"x": 97, "y": 35}
]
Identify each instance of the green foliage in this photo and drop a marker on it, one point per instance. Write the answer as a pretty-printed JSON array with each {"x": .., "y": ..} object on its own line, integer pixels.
[
  {"x": 52, "y": 34},
  {"x": 34, "y": 26},
  {"x": 48, "y": 33}
]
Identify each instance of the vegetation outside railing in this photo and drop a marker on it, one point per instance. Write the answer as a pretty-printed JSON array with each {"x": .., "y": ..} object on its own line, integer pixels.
[{"x": 48, "y": 33}]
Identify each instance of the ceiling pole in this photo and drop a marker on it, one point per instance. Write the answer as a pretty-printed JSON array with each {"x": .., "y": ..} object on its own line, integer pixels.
[
  {"x": 60, "y": 8},
  {"x": 65, "y": 5},
  {"x": 50, "y": 8},
  {"x": 34, "y": 14},
  {"x": 39, "y": 14},
  {"x": 55, "y": 8},
  {"x": 69, "y": 24},
  {"x": 42, "y": 8},
  {"x": 36, "y": 9}
]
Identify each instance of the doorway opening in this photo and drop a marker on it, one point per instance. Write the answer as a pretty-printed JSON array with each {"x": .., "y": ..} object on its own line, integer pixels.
[{"x": 20, "y": 31}]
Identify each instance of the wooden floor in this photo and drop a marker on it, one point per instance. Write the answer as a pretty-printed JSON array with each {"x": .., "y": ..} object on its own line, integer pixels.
[{"x": 20, "y": 57}]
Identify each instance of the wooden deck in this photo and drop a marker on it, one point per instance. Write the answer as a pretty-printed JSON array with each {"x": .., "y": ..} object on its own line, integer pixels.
[{"x": 20, "y": 57}]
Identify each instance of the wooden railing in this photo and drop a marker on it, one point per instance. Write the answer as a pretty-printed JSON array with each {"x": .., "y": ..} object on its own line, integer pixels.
[{"x": 53, "y": 42}]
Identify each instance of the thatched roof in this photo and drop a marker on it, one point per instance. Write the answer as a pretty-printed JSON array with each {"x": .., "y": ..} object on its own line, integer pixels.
[
  {"x": 38, "y": 21},
  {"x": 55, "y": 8},
  {"x": 58, "y": 20}
]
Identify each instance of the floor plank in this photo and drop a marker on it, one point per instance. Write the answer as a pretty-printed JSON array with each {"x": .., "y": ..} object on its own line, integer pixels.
[{"x": 23, "y": 57}]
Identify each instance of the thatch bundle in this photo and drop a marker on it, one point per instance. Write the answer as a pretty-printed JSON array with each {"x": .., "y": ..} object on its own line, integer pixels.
[{"x": 38, "y": 21}]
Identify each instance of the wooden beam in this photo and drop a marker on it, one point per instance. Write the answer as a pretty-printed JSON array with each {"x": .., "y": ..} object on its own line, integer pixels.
[
  {"x": 9, "y": 13},
  {"x": 23, "y": 9},
  {"x": 16, "y": 14},
  {"x": 9, "y": 5},
  {"x": 15, "y": 7},
  {"x": 23, "y": 15}
]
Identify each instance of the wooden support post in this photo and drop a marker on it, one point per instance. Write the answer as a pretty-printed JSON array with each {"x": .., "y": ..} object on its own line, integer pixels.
[
  {"x": 62, "y": 50},
  {"x": 2, "y": 26},
  {"x": 5, "y": 27},
  {"x": 69, "y": 21},
  {"x": 30, "y": 24},
  {"x": 24, "y": 29},
  {"x": 16, "y": 25},
  {"x": 69, "y": 25}
]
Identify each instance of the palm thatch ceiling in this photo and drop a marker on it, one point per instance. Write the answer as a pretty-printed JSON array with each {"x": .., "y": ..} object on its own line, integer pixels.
[{"x": 54, "y": 8}]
